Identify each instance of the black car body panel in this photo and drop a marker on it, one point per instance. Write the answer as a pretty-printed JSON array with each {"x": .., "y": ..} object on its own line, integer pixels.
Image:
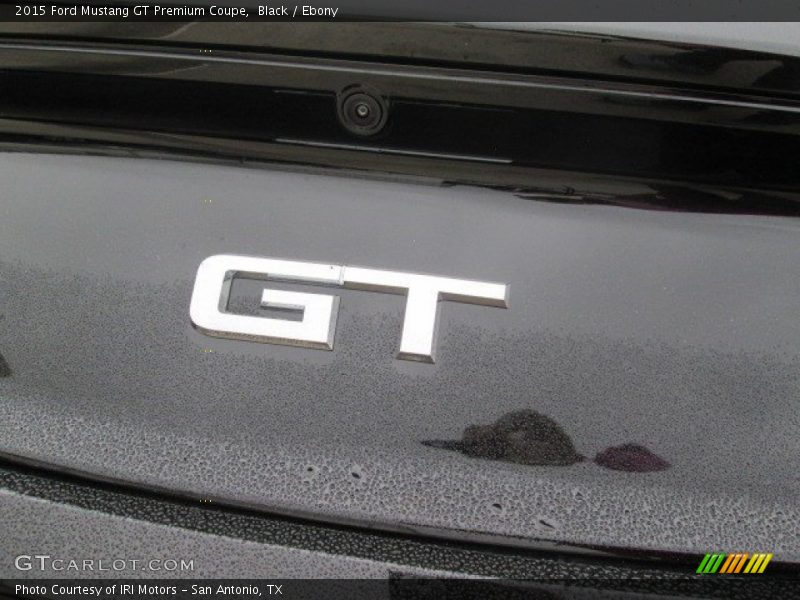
[
  {"x": 646, "y": 225},
  {"x": 665, "y": 329}
]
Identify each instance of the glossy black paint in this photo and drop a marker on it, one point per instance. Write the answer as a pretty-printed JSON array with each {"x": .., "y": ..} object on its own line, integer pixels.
[
  {"x": 491, "y": 134},
  {"x": 493, "y": 48},
  {"x": 203, "y": 101},
  {"x": 279, "y": 547},
  {"x": 624, "y": 326},
  {"x": 663, "y": 339}
]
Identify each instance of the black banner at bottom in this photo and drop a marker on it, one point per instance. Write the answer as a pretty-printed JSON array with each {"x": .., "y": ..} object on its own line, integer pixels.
[{"x": 399, "y": 586}]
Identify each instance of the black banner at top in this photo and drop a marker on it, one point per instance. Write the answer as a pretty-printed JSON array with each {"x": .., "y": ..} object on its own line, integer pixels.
[{"x": 405, "y": 10}]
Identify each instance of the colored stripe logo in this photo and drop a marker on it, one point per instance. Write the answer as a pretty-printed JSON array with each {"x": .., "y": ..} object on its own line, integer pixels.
[{"x": 740, "y": 562}]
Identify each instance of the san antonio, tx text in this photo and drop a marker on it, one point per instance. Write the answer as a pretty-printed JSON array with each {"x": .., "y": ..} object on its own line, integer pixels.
[{"x": 142, "y": 590}]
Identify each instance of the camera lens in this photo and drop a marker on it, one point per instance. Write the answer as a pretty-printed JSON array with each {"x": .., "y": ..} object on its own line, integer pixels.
[{"x": 362, "y": 112}]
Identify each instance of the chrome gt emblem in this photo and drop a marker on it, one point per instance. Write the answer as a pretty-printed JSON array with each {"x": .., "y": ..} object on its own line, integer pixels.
[{"x": 318, "y": 325}]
